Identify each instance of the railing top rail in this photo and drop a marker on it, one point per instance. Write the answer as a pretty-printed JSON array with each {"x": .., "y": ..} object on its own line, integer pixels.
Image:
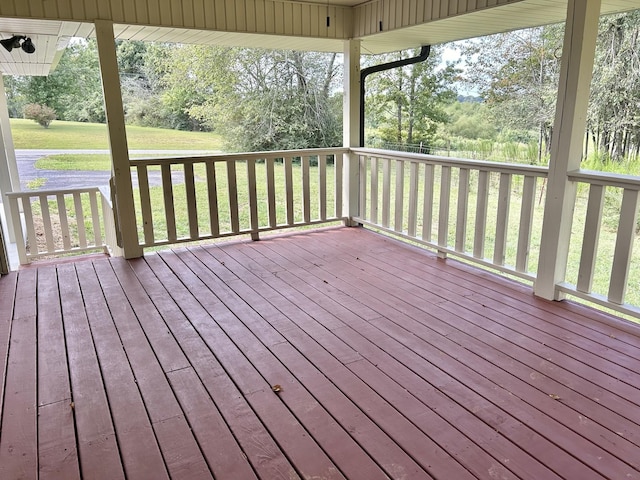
[
  {"x": 225, "y": 157},
  {"x": 513, "y": 168},
  {"x": 631, "y": 182},
  {"x": 38, "y": 193}
]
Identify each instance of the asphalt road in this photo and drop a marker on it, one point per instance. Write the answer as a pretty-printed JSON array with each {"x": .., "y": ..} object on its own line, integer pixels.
[{"x": 61, "y": 179}]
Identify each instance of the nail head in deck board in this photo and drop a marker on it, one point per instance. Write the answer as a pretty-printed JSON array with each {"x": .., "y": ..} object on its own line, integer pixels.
[
  {"x": 98, "y": 449},
  {"x": 216, "y": 441},
  {"x": 262, "y": 452},
  {"x": 57, "y": 452}
]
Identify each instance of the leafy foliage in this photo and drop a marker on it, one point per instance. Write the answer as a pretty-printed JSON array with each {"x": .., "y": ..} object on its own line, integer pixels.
[
  {"x": 517, "y": 75},
  {"x": 406, "y": 105},
  {"x": 42, "y": 114},
  {"x": 614, "y": 110},
  {"x": 471, "y": 120},
  {"x": 271, "y": 100}
]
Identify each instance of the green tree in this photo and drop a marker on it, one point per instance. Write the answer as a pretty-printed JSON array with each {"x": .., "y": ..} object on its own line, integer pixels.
[
  {"x": 73, "y": 89},
  {"x": 517, "y": 75},
  {"x": 470, "y": 120},
  {"x": 268, "y": 99},
  {"x": 406, "y": 105},
  {"x": 614, "y": 108}
]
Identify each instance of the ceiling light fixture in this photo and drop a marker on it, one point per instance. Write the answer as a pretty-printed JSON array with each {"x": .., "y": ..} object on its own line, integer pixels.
[{"x": 18, "y": 41}]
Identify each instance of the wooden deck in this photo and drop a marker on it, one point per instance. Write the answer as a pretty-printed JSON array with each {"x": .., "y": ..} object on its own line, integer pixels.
[{"x": 390, "y": 364}]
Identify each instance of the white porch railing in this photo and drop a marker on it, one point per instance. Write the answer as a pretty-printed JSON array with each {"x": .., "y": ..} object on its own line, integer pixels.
[
  {"x": 488, "y": 213},
  {"x": 60, "y": 222},
  {"x": 481, "y": 211},
  {"x": 224, "y": 195},
  {"x": 608, "y": 210}
]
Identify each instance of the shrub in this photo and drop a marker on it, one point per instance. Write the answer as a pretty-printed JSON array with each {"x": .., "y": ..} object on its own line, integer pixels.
[{"x": 42, "y": 114}]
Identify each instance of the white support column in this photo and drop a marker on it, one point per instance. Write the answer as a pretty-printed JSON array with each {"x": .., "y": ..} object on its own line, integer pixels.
[
  {"x": 9, "y": 179},
  {"x": 124, "y": 207},
  {"x": 566, "y": 147},
  {"x": 351, "y": 128}
]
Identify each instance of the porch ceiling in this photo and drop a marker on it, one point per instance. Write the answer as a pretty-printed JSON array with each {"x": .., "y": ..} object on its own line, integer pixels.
[{"x": 51, "y": 37}]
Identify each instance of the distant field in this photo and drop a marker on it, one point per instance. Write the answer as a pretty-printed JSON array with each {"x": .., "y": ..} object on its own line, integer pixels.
[{"x": 76, "y": 135}]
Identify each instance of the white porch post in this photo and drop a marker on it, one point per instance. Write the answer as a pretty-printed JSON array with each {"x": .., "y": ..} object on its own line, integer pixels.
[
  {"x": 124, "y": 207},
  {"x": 9, "y": 179},
  {"x": 566, "y": 146},
  {"x": 351, "y": 128}
]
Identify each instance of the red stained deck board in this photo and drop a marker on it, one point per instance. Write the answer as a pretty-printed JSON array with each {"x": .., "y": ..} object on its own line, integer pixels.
[
  {"x": 613, "y": 438},
  {"x": 170, "y": 356},
  {"x": 515, "y": 322},
  {"x": 350, "y": 457},
  {"x": 53, "y": 373},
  {"x": 159, "y": 401},
  {"x": 397, "y": 396},
  {"x": 391, "y": 361},
  {"x": 97, "y": 446},
  {"x": 595, "y": 328},
  {"x": 138, "y": 446},
  {"x": 469, "y": 315},
  {"x": 7, "y": 295},
  {"x": 333, "y": 439},
  {"x": 219, "y": 447},
  {"x": 302, "y": 450},
  {"x": 392, "y": 310},
  {"x": 18, "y": 440},
  {"x": 261, "y": 451},
  {"x": 308, "y": 345},
  {"x": 57, "y": 452},
  {"x": 539, "y": 358},
  {"x": 157, "y": 397},
  {"x": 557, "y": 337}
]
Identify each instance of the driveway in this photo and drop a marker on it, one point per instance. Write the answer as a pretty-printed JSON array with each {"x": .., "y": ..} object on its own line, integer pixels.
[{"x": 61, "y": 179}]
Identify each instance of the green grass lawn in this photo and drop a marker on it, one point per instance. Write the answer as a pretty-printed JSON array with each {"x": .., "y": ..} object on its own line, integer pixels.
[
  {"x": 77, "y": 135},
  {"x": 81, "y": 161}
]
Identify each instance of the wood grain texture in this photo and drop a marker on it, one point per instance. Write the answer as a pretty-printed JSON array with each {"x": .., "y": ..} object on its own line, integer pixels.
[
  {"x": 18, "y": 443},
  {"x": 390, "y": 362}
]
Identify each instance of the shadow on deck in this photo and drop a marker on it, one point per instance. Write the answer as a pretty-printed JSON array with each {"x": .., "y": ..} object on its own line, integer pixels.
[{"x": 385, "y": 361}]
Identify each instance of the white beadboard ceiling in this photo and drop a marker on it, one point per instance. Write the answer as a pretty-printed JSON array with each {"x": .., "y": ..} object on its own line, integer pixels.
[{"x": 51, "y": 37}]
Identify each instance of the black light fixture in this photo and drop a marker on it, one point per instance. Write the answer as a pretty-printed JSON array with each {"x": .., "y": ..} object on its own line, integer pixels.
[
  {"x": 28, "y": 45},
  {"x": 15, "y": 42}
]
